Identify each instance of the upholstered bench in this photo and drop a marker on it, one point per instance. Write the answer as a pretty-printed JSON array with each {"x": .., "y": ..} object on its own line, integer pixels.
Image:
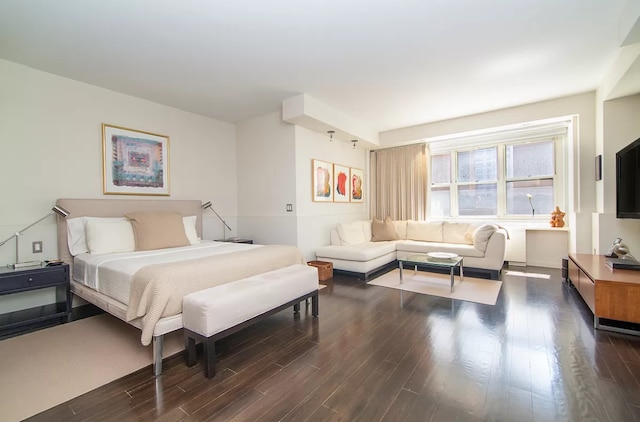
[{"x": 211, "y": 314}]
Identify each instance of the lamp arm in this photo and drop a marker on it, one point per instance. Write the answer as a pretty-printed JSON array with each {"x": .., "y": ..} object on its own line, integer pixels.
[
  {"x": 221, "y": 219},
  {"x": 8, "y": 239},
  {"x": 27, "y": 228}
]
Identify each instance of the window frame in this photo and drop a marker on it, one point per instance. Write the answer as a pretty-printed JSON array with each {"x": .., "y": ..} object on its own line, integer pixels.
[{"x": 556, "y": 131}]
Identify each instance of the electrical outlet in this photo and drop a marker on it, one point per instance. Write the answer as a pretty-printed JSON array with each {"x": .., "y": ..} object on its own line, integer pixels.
[
  {"x": 289, "y": 207},
  {"x": 36, "y": 247}
]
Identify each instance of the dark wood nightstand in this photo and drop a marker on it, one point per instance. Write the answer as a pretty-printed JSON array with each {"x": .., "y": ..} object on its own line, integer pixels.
[
  {"x": 33, "y": 278},
  {"x": 235, "y": 240}
]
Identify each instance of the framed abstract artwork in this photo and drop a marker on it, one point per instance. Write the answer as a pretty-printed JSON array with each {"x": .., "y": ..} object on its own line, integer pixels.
[
  {"x": 134, "y": 162},
  {"x": 357, "y": 185},
  {"x": 341, "y": 183},
  {"x": 322, "y": 177}
]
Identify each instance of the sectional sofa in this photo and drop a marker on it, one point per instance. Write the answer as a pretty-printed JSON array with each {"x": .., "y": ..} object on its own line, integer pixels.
[{"x": 364, "y": 247}]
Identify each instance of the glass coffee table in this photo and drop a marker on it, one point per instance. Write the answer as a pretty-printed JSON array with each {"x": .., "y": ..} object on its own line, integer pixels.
[{"x": 433, "y": 260}]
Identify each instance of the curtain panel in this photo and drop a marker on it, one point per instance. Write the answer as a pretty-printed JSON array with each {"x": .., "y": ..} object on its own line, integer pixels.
[{"x": 399, "y": 183}]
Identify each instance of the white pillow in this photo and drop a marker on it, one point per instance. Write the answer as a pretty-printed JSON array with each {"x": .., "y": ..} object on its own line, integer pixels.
[
  {"x": 460, "y": 233},
  {"x": 190, "y": 229},
  {"x": 109, "y": 236},
  {"x": 76, "y": 232},
  {"x": 482, "y": 234},
  {"x": 75, "y": 236},
  {"x": 351, "y": 233}
]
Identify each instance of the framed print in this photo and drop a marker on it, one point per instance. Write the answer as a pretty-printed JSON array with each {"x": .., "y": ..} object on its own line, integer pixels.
[
  {"x": 134, "y": 162},
  {"x": 322, "y": 181},
  {"x": 341, "y": 183},
  {"x": 357, "y": 185}
]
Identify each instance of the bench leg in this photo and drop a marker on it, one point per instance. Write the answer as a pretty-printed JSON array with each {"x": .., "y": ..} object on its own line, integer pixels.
[
  {"x": 190, "y": 350},
  {"x": 314, "y": 305},
  {"x": 296, "y": 308},
  {"x": 209, "y": 358}
]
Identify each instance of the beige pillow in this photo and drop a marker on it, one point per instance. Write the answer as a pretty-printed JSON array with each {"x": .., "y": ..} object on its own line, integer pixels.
[
  {"x": 383, "y": 230},
  {"x": 158, "y": 230}
]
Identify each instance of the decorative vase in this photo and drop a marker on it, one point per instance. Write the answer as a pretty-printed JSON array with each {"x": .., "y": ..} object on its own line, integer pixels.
[{"x": 557, "y": 218}]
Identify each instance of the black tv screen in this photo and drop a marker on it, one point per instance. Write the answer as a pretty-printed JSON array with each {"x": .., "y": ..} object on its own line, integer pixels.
[{"x": 627, "y": 181}]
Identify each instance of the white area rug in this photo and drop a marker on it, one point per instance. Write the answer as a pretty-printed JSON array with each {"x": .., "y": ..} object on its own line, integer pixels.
[
  {"x": 42, "y": 369},
  {"x": 470, "y": 289}
]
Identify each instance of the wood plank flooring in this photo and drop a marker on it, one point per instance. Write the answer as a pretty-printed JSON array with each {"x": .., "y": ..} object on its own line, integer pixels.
[{"x": 378, "y": 355}]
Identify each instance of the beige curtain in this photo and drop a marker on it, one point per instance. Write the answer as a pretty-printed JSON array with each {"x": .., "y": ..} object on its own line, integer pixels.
[{"x": 399, "y": 183}]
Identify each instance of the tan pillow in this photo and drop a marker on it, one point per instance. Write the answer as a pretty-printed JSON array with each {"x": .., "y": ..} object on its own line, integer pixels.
[
  {"x": 158, "y": 230},
  {"x": 383, "y": 230}
]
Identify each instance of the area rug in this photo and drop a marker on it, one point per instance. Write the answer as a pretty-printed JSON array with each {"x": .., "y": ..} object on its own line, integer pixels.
[
  {"x": 42, "y": 369},
  {"x": 476, "y": 290}
]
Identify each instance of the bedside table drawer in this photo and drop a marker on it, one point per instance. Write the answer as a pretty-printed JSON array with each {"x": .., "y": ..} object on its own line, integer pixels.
[{"x": 32, "y": 280}]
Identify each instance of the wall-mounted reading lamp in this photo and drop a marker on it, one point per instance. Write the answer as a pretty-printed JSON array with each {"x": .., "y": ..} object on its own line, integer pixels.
[
  {"x": 225, "y": 225},
  {"x": 55, "y": 210}
]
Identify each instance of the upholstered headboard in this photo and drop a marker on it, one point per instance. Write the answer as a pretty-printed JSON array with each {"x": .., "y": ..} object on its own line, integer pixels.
[{"x": 118, "y": 208}]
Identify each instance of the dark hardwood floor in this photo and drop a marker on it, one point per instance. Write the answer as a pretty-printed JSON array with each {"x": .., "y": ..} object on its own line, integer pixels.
[{"x": 376, "y": 355}]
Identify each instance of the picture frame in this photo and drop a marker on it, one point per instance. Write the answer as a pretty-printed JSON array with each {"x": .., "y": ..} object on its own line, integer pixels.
[
  {"x": 134, "y": 162},
  {"x": 322, "y": 176},
  {"x": 357, "y": 185},
  {"x": 341, "y": 177}
]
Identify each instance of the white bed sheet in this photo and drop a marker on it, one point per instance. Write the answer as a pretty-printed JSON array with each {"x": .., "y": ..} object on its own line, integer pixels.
[{"x": 111, "y": 274}]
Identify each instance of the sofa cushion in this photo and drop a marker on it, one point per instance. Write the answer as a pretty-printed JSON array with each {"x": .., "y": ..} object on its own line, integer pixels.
[
  {"x": 352, "y": 233},
  {"x": 425, "y": 231},
  {"x": 482, "y": 235},
  {"x": 383, "y": 230},
  {"x": 401, "y": 228},
  {"x": 461, "y": 233},
  {"x": 411, "y": 246},
  {"x": 363, "y": 252}
]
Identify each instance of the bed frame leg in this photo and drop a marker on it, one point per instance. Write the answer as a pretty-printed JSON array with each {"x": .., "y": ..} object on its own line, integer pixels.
[
  {"x": 157, "y": 355},
  {"x": 315, "y": 305}
]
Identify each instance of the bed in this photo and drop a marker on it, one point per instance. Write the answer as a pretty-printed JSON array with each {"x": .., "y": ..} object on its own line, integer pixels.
[{"x": 145, "y": 288}]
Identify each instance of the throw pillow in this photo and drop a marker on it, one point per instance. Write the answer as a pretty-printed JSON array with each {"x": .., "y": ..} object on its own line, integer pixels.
[
  {"x": 383, "y": 230},
  {"x": 109, "y": 236},
  {"x": 351, "y": 233},
  {"x": 482, "y": 234},
  {"x": 158, "y": 230}
]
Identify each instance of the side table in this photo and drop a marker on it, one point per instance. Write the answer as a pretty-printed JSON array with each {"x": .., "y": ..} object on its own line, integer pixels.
[
  {"x": 14, "y": 281},
  {"x": 235, "y": 240}
]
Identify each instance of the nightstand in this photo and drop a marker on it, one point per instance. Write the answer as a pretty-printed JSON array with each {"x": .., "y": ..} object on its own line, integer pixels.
[
  {"x": 33, "y": 278},
  {"x": 235, "y": 240}
]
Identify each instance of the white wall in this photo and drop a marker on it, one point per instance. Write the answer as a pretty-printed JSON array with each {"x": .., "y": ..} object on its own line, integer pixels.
[
  {"x": 266, "y": 180},
  {"x": 51, "y": 147},
  {"x": 315, "y": 219},
  {"x": 274, "y": 169},
  {"x": 621, "y": 127}
]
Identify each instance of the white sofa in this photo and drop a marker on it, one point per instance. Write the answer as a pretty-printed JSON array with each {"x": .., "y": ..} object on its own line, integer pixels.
[{"x": 355, "y": 247}]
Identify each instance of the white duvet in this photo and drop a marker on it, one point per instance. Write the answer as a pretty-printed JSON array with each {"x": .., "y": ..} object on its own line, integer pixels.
[{"x": 111, "y": 274}]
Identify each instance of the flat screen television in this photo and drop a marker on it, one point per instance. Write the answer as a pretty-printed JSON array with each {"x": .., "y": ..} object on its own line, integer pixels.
[{"x": 628, "y": 181}]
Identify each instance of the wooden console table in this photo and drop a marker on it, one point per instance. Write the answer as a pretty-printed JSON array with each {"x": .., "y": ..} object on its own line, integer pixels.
[{"x": 610, "y": 294}]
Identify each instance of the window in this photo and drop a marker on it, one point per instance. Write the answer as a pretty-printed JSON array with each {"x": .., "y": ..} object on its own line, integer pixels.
[{"x": 505, "y": 175}]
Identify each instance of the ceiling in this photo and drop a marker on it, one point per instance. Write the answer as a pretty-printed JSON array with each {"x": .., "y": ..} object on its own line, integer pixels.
[{"x": 388, "y": 64}]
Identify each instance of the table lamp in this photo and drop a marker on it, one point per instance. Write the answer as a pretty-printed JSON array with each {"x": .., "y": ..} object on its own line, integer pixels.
[
  {"x": 207, "y": 205},
  {"x": 55, "y": 210}
]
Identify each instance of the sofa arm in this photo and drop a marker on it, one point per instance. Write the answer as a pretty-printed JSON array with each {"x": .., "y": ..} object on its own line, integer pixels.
[{"x": 496, "y": 249}]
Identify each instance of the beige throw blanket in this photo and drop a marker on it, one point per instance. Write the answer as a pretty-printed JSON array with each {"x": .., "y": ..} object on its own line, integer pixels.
[{"x": 157, "y": 290}]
